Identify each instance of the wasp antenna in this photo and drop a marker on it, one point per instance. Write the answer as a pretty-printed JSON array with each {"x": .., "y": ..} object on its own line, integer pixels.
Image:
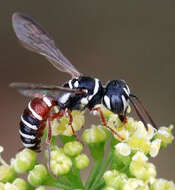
[
  {"x": 144, "y": 109},
  {"x": 139, "y": 114}
]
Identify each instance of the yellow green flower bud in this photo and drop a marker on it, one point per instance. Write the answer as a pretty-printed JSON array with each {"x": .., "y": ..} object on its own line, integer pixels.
[
  {"x": 81, "y": 161},
  {"x": 143, "y": 170},
  {"x": 162, "y": 184},
  {"x": 24, "y": 161},
  {"x": 38, "y": 175},
  {"x": 95, "y": 134},
  {"x": 73, "y": 148},
  {"x": 132, "y": 184},
  {"x": 20, "y": 184},
  {"x": 7, "y": 173},
  {"x": 110, "y": 173},
  {"x": 165, "y": 135},
  {"x": 60, "y": 163},
  {"x": 114, "y": 179}
]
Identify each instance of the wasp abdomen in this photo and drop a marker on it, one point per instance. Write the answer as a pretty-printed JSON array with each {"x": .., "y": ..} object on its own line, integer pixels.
[{"x": 33, "y": 122}]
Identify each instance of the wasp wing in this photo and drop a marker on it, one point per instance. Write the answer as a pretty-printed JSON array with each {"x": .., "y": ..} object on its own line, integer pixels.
[
  {"x": 38, "y": 90},
  {"x": 34, "y": 38}
]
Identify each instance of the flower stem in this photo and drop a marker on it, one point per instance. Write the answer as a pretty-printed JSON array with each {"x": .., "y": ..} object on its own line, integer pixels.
[
  {"x": 102, "y": 170},
  {"x": 100, "y": 185},
  {"x": 93, "y": 173}
]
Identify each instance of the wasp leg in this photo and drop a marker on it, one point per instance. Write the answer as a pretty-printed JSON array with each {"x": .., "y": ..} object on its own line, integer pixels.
[
  {"x": 105, "y": 123},
  {"x": 70, "y": 120},
  {"x": 123, "y": 118}
]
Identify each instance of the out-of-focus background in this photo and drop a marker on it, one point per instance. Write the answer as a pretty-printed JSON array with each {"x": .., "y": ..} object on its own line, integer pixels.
[{"x": 131, "y": 40}]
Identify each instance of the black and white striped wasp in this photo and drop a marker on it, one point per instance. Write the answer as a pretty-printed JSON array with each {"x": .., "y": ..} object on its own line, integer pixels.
[{"x": 78, "y": 93}]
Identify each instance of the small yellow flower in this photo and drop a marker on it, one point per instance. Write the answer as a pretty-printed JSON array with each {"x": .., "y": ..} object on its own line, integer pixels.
[
  {"x": 139, "y": 144},
  {"x": 95, "y": 134},
  {"x": 123, "y": 149},
  {"x": 132, "y": 184},
  {"x": 140, "y": 157},
  {"x": 62, "y": 126},
  {"x": 162, "y": 184},
  {"x": 155, "y": 147},
  {"x": 143, "y": 170},
  {"x": 165, "y": 135}
]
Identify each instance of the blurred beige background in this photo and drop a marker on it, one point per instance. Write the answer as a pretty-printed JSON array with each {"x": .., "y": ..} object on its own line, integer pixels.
[{"x": 132, "y": 40}]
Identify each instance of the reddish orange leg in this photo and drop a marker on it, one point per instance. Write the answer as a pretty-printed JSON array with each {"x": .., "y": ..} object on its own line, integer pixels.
[
  {"x": 123, "y": 118},
  {"x": 105, "y": 123},
  {"x": 70, "y": 120}
]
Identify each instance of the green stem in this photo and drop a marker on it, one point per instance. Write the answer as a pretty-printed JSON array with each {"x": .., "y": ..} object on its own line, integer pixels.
[
  {"x": 100, "y": 185},
  {"x": 93, "y": 173},
  {"x": 102, "y": 170}
]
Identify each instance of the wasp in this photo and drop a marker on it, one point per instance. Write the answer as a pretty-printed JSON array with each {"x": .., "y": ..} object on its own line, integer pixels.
[{"x": 79, "y": 93}]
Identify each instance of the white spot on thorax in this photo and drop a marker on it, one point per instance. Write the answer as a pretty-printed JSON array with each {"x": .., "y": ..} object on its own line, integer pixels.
[
  {"x": 47, "y": 101},
  {"x": 107, "y": 102},
  {"x": 76, "y": 84},
  {"x": 34, "y": 113},
  {"x": 64, "y": 98},
  {"x": 96, "y": 88}
]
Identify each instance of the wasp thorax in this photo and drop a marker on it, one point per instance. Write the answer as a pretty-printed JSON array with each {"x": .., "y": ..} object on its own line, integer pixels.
[{"x": 116, "y": 96}]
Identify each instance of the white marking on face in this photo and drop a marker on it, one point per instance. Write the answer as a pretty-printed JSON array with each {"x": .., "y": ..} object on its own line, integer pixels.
[
  {"x": 70, "y": 84},
  {"x": 28, "y": 145},
  {"x": 125, "y": 103},
  {"x": 76, "y": 84},
  {"x": 47, "y": 101},
  {"x": 26, "y": 136},
  {"x": 107, "y": 102},
  {"x": 34, "y": 113},
  {"x": 34, "y": 127},
  {"x": 64, "y": 98}
]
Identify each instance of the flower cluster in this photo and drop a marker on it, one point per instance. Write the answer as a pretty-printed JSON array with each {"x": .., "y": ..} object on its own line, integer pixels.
[{"x": 123, "y": 166}]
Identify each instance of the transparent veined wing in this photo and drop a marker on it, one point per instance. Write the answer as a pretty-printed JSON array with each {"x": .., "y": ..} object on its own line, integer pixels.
[
  {"x": 34, "y": 38},
  {"x": 38, "y": 90}
]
